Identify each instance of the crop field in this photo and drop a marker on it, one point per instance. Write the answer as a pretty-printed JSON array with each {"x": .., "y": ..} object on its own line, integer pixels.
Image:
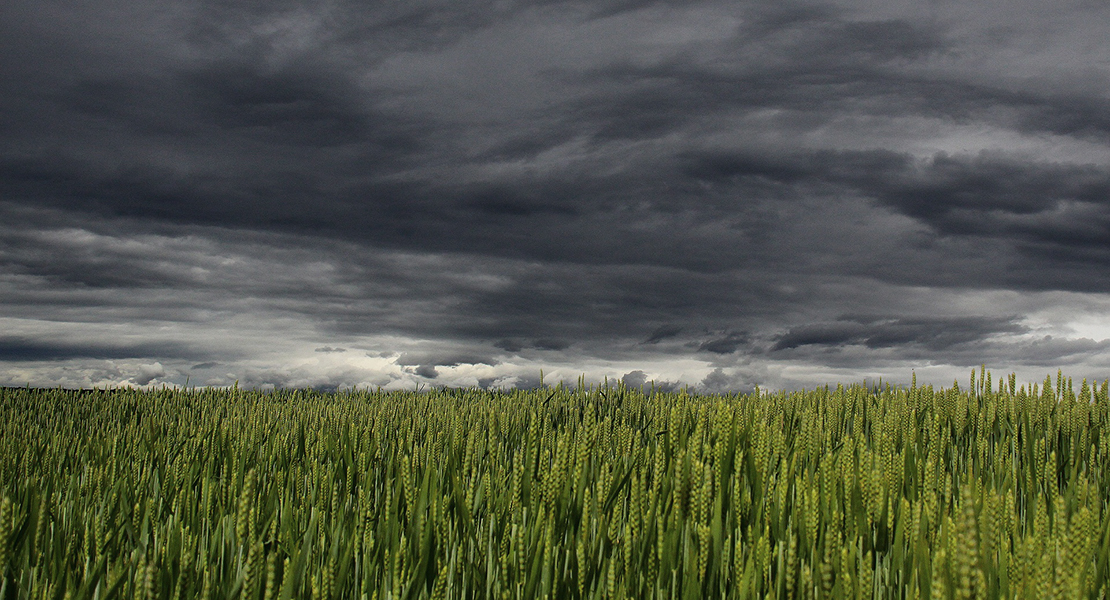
[{"x": 988, "y": 490}]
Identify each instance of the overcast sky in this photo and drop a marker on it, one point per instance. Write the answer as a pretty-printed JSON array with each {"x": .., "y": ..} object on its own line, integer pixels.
[{"x": 462, "y": 193}]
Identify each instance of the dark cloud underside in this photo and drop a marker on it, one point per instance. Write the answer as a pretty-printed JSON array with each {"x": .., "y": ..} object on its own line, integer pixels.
[
  {"x": 23, "y": 349},
  {"x": 935, "y": 334}
]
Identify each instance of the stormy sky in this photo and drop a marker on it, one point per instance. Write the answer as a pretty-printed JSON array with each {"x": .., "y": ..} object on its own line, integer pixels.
[{"x": 462, "y": 193}]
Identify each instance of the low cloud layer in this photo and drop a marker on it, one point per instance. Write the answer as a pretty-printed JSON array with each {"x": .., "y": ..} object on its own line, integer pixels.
[{"x": 703, "y": 194}]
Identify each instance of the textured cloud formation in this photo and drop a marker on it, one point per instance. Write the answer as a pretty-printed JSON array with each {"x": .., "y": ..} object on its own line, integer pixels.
[{"x": 713, "y": 194}]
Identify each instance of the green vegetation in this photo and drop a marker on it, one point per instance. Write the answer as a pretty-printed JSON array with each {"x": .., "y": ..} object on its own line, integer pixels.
[{"x": 557, "y": 493}]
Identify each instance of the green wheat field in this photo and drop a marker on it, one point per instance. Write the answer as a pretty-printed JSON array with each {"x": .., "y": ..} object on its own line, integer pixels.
[{"x": 983, "y": 491}]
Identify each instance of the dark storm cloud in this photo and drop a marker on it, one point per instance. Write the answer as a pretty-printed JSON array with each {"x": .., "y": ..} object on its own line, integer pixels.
[
  {"x": 563, "y": 305},
  {"x": 426, "y": 371},
  {"x": 935, "y": 334},
  {"x": 662, "y": 333},
  {"x": 1079, "y": 116},
  {"x": 19, "y": 349},
  {"x": 1052, "y": 212},
  {"x": 551, "y": 344},
  {"x": 515, "y": 346},
  {"x": 443, "y": 359},
  {"x": 931, "y": 190},
  {"x": 283, "y": 138},
  {"x": 821, "y": 66},
  {"x": 809, "y": 61},
  {"x": 724, "y": 345},
  {"x": 494, "y": 183},
  {"x": 1047, "y": 351},
  {"x": 509, "y": 345},
  {"x": 348, "y": 149},
  {"x": 424, "y": 363},
  {"x": 380, "y": 28},
  {"x": 79, "y": 258}
]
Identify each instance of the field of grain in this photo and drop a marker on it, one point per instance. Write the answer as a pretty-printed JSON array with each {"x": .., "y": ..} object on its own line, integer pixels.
[{"x": 980, "y": 491}]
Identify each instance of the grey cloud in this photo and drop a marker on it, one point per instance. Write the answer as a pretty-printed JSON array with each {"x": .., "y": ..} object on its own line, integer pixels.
[
  {"x": 664, "y": 386},
  {"x": 508, "y": 184},
  {"x": 302, "y": 106},
  {"x": 1002, "y": 354},
  {"x": 820, "y": 68},
  {"x": 634, "y": 379},
  {"x": 20, "y": 349},
  {"x": 368, "y": 208},
  {"x": 738, "y": 380},
  {"x": 247, "y": 103},
  {"x": 330, "y": 350},
  {"x": 299, "y": 109},
  {"x": 510, "y": 345},
  {"x": 528, "y": 382},
  {"x": 1045, "y": 210},
  {"x": 376, "y": 29},
  {"x": 1085, "y": 117},
  {"x": 662, "y": 333},
  {"x": 724, "y": 345},
  {"x": 936, "y": 334},
  {"x": 885, "y": 40},
  {"x": 840, "y": 68},
  {"x": 639, "y": 379},
  {"x": 551, "y": 344},
  {"x": 940, "y": 334},
  {"x": 515, "y": 346},
  {"x": 821, "y": 334},
  {"x": 717, "y": 380},
  {"x": 427, "y": 371},
  {"x": 962, "y": 195},
  {"x": 1046, "y": 350},
  {"x": 148, "y": 373},
  {"x": 444, "y": 359}
]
